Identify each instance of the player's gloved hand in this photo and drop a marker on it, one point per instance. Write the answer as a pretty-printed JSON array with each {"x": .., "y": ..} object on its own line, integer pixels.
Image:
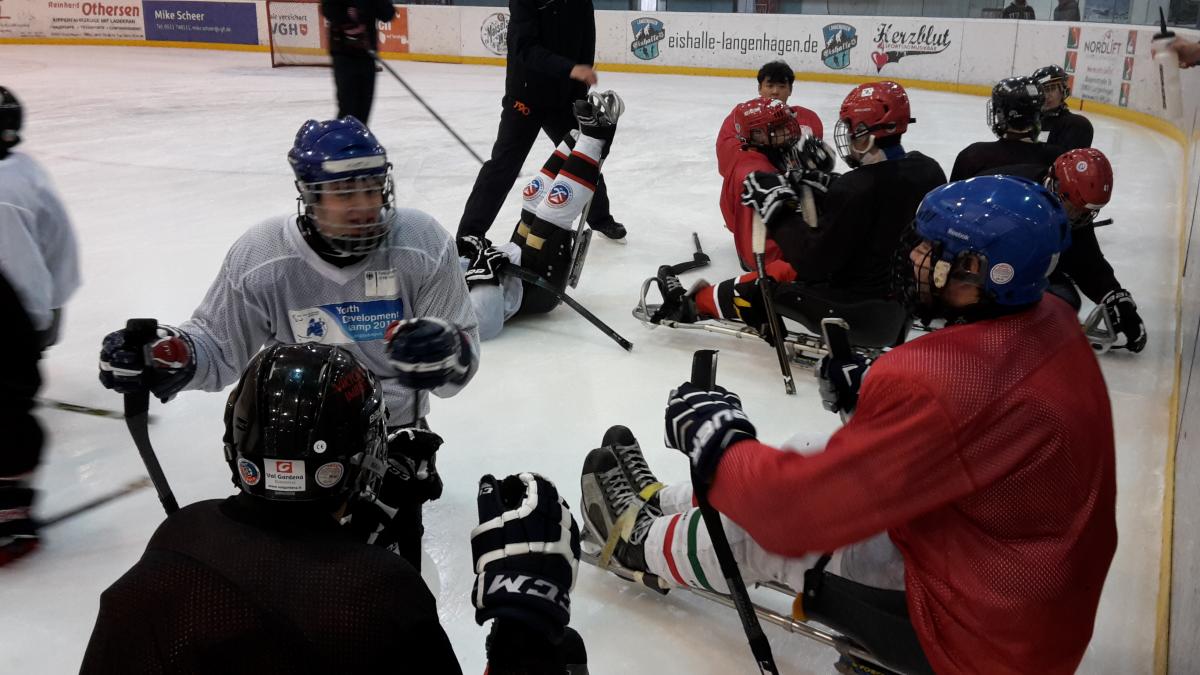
[
  {"x": 1124, "y": 319},
  {"x": 771, "y": 195},
  {"x": 485, "y": 267},
  {"x": 839, "y": 382},
  {"x": 470, "y": 245},
  {"x": 814, "y": 179},
  {"x": 393, "y": 519},
  {"x": 428, "y": 352},
  {"x": 163, "y": 366},
  {"x": 526, "y": 551},
  {"x": 811, "y": 154},
  {"x": 748, "y": 301},
  {"x": 702, "y": 423}
]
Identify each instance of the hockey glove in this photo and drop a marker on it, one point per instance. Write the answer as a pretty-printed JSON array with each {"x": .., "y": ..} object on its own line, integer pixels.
[
  {"x": 748, "y": 302},
  {"x": 393, "y": 519},
  {"x": 485, "y": 267},
  {"x": 1123, "y": 317},
  {"x": 771, "y": 195},
  {"x": 839, "y": 382},
  {"x": 702, "y": 423},
  {"x": 428, "y": 352},
  {"x": 816, "y": 180},
  {"x": 163, "y": 366},
  {"x": 470, "y": 246},
  {"x": 526, "y": 551},
  {"x": 812, "y": 154}
]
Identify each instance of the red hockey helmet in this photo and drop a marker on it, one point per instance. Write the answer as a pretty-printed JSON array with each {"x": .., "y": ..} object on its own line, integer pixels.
[
  {"x": 1083, "y": 179},
  {"x": 765, "y": 123},
  {"x": 878, "y": 109}
]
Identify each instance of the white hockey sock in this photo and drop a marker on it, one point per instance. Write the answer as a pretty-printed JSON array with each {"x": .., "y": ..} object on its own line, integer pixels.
[
  {"x": 567, "y": 196},
  {"x": 535, "y": 190}
]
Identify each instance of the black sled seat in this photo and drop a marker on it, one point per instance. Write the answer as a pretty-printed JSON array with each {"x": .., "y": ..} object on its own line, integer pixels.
[
  {"x": 875, "y": 619},
  {"x": 874, "y": 323}
]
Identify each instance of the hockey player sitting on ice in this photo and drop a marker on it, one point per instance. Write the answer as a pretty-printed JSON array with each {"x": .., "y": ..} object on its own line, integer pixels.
[
  {"x": 544, "y": 239},
  {"x": 1083, "y": 181},
  {"x": 845, "y": 256},
  {"x": 268, "y": 581},
  {"x": 1014, "y": 113},
  {"x": 352, "y": 269},
  {"x": 1060, "y": 126},
  {"x": 738, "y": 154},
  {"x": 979, "y": 460}
]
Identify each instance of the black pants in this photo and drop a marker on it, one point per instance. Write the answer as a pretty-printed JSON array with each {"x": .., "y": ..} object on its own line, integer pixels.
[
  {"x": 519, "y": 125},
  {"x": 1064, "y": 287},
  {"x": 19, "y": 384},
  {"x": 354, "y": 78}
]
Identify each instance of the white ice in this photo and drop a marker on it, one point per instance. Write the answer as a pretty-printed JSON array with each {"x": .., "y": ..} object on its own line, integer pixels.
[{"x": 164, "y": 157}]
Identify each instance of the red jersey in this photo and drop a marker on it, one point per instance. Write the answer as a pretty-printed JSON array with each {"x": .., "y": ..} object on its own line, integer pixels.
[
  {"x": 734, "y": 164},
  {"x": 986, "y": 452}
]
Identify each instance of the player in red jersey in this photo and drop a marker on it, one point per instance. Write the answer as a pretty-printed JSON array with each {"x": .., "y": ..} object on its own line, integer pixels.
[{"x": 971, "y": 495}]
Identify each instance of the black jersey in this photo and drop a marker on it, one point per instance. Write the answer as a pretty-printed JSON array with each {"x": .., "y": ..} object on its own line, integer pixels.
[
  {"x": 243, "y": 585},
  {"x": 1066, "y": 129},
  {"x": 978, "y": 158},
  {"x": 862, "y": 218},
  {"x": 546, "y": 39}
]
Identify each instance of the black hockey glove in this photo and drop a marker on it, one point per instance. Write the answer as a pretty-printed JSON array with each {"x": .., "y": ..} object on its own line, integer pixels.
[
  {"x": 1124, "y": 319},
  {"x": 470, "y": 245},
  {"x": 393, "y": 519},
  {"x": 751, "y": 310},
  {"x": 839, "y": 382},
  {"x": 812, "y": 154},
  {"x": 526, "y": 551},
  {"x": 702, "y": 423},
  {"x": 771, "y": 195},
  {"x": 485, "y": 267},
  {"x": 428, "y": 352},
  {"x": 814, "y": 179},
  {"x": 163, "y": 366}
]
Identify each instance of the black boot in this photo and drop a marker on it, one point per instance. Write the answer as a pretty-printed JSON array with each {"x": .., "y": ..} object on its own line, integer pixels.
[{"x": 678, "y": 304}]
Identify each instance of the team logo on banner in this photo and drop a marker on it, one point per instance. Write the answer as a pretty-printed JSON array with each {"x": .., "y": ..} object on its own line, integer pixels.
[
  {"x": 647, "y": 33},
  {"x": 559, "y": 195},
  {"x": 494, "y": 33},
  {"x": 840, "y": 38}
]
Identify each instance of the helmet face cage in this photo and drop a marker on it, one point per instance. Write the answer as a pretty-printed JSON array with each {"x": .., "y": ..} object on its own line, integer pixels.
[
  {"x": 923, "y": 297},
  {"x": 356, "y": 236},
  {"x": 844, "y": 139}
]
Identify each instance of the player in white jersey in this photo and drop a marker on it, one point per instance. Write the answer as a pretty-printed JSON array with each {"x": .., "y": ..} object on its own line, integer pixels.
[
  {"x": 544, "y": 239},
  {"x": 39, "y": 271},
  {"x": 351, "y": 269}
]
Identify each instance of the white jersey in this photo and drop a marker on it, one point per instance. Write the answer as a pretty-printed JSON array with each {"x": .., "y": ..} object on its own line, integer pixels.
[
  {"x": 274, "y": 288},
  {"x": 38, "y": 253}
]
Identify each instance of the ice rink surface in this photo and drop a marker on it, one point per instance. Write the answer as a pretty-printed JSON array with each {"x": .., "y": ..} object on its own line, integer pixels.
[{"x": 164, "y": 157}]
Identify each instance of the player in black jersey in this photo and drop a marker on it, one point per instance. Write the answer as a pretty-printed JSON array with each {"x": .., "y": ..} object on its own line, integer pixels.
[
  {"x": 1014, "y": 114},
  {"x": 269, "y": 581},
  {"x": 1060, "y": 126}
]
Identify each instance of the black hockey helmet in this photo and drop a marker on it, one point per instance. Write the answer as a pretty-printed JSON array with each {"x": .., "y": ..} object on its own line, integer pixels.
[
  {"x": 1016, "y": 105},
  {"x": 306, "y": 423},
  {"x": 1050, "y": 76},
  {"x": 10, "y": 121}
]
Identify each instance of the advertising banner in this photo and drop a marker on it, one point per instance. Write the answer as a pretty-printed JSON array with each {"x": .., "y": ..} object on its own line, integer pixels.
[
  {"x": 221, "y": 22},
  {"x": 298, "y": 28},
  {"x": 115, "y": 20},
  {"x": 1100, "y": 61},
  {"x": 484, "y": 31},
  {"x": 393, "y": 35}
]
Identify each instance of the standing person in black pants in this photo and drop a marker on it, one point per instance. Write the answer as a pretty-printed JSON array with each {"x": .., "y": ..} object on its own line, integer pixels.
[
  {"x": 352, "y": 31},
  {"x": 551, "y": 48}
]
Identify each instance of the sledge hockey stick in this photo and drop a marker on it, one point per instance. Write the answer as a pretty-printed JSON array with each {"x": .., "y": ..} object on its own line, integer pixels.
[
  {"x": 422, "y": 102},
  {"x": 144, "y": 331},
  {"x": 83, "y": 409},
  {"x": 127, "y": 489},
  {"x": 704, "y": 372},
  {"x": 525, "y": 275},
  {"x": 699, "y": 259},
  {"x": 759, "y": 245},
  {"x": 837, "y": 340}
]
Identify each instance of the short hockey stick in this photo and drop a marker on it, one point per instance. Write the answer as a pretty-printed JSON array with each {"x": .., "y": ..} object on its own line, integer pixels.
[
  {"x": 530, "y": 277},
  {"x": 144, "y": 331},
  {"x": 422, "y": 102},
  {"x": 83, "y": 409},
  {"x": 699, "y": 259},
  {"x": 704, "y": 371},
  {"x": 765, "y": 283},
  {"x": 127, "y": 489}
]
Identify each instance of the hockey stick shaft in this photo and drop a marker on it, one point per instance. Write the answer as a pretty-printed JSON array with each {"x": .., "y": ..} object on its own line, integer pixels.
[
  {"x": 91, "y": 504},
  {"x": 759, "y": 245},
  {"x": 82, "y": 409},
  {"x": 583, "y": 239},
  {"x": 136, "y": 407},
  {"x": 704, "y": 370},
  {"x": 420, "y": 100},
  {"x": 525, "y": 275}
]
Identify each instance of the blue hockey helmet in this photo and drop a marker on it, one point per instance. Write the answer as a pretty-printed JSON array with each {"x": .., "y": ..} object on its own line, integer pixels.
[
  {"x": 1015, "y": 227},
  {"x": 341, "y": 158}
]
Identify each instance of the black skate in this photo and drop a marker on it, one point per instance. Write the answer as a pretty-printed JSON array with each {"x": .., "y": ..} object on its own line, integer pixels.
[
  {"x": 615, "y": 519},
  {"x": 678, "y": 306}
]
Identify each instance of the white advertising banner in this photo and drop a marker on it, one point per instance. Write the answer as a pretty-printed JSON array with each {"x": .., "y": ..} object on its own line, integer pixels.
[
  {"x": 484, "y": 31},
  {"x": 114, "y": 20}
]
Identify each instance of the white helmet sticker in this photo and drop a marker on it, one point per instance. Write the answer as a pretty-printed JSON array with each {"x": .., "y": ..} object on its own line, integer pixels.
[
  {"x": 1081, "y": 166},
  {"x": 329, "y": 474},
  {"x": 319, "y": 447},
  {"x": 285, "y": 475},
  {"x": 1001, "y": 273}
]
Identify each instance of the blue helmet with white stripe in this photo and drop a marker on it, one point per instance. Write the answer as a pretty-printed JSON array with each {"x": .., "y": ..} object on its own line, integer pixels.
[
  {"x": 345, "y": 184},
  {"x": 1015, "y": 227}
]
